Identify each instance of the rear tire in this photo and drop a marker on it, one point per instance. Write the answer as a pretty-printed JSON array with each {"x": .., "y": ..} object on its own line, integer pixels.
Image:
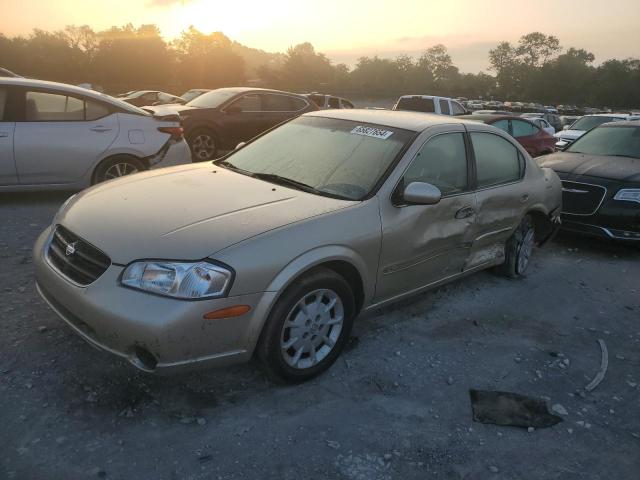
[
  {"x": 116, "y": 167},
  {"x": 308, "y": 327},
  {"x": 518, "y": 249},
  {"x": 203, "y": 144}
]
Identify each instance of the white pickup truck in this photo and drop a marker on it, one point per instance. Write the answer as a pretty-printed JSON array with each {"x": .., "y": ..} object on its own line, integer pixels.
[{"x": 429, "y": 104}]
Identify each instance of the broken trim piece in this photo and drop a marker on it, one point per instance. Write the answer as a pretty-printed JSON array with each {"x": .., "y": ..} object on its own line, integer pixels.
[{"x": 604, "y": 363}]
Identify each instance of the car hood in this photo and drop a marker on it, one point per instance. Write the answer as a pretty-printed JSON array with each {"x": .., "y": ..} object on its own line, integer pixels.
[
  {"x": 569, "y": 134},
  {"x": 624, "y": 169},
  {"x": 187, "y": 212}
]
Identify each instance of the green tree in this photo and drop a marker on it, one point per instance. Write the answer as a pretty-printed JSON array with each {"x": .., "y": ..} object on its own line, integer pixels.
[{"x": 208, "y": 61}]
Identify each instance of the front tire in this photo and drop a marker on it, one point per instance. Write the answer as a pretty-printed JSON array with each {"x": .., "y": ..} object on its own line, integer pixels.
[
  {"x": 308, "y": 327},
  {"x": 518, "y": 249}
]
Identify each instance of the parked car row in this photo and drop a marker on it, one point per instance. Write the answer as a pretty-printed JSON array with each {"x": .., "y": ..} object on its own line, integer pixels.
[{"x": 305, "y": 225}]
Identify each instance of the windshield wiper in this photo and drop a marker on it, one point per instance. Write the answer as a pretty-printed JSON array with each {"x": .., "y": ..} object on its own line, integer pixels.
[
  {"x": 231, "y": 166},
  {"x": 272, "y": 177}
]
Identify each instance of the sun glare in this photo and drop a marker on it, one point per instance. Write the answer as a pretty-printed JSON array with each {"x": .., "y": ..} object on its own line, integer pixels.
[{"x": 212, "y": 16}]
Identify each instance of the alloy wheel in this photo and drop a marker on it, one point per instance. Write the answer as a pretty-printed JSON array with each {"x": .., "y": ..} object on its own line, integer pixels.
[
  {"x": 203, "y": 146},
  {"x": 120, "y": 170},
  {"x": 526, "y": 249},
  {"x": 312, "y": 328}
]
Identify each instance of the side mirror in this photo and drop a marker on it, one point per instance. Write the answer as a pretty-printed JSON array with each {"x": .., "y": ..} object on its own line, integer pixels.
[
  {"x": 566, "y": 127},
  {"x": 233, "y": 110},
  {"x": 419, "y": 193},
  {"x": 240, "y": 145}
]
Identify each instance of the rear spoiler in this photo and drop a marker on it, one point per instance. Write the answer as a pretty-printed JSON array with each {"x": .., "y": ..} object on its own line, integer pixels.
[{"x": 163, "y": 116}]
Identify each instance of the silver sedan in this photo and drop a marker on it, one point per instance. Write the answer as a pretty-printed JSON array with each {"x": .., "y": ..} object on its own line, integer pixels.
[{"x": 276, "y": 248}]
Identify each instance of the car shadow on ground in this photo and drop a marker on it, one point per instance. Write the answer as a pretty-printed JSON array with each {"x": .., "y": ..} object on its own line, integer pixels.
[{"x": 21, "y": 199}]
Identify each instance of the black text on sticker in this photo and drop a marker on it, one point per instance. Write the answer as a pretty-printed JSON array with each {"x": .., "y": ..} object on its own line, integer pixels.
[{"x": 372, "y": 132}]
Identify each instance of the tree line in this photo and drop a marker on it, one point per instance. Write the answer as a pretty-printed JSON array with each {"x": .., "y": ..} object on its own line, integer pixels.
[{"x": 536, "y": 68}]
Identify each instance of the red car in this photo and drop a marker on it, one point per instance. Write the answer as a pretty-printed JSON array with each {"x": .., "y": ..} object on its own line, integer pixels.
[{"x": 534, "y": 140}]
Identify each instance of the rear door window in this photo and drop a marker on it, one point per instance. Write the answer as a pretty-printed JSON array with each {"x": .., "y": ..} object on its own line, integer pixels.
[
  {"x": 523, "y": 129},
  {"x": 347, "y": 104},
  {"x": 53, "y": 107},
  {"x": 457, "y": 109},
  {"x": 444, "y": 106},
  {"x": 416, "y": 104},
  {"x": 334, "y": 102},
  {"x": 248, "y": 103},
  {"x": 502, "y": 125},
  {"x": 498, "y": 161},
  {"x": 277, "y": 103}
]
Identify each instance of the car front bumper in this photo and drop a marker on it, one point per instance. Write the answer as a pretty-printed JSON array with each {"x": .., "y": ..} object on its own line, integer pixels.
[
  {"x": 601, "y": 231},
  {"x": 152, "y": 332}
]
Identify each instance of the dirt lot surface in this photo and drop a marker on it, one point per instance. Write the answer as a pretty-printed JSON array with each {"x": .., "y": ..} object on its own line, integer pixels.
[{"x": 396, "y": 405}]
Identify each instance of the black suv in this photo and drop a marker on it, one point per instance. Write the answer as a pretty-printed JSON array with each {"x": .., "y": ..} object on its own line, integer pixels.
[{"x": 222, "y": 118}]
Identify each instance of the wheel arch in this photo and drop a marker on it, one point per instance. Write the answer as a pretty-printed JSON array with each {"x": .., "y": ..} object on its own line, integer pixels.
[{"x": 542, "y": 225}]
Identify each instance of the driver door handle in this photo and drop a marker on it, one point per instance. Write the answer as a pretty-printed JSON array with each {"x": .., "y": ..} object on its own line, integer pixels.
[{"x": 465, "y": 212}]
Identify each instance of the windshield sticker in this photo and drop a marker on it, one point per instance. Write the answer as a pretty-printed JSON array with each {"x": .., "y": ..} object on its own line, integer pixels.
[{"x": 372, "y": 132}]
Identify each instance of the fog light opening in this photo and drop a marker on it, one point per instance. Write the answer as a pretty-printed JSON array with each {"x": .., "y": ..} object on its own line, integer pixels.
[{"x": 143, "y": 359}]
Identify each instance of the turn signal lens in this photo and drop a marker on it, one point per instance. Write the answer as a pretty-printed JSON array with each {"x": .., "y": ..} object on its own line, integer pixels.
[{"x": 228, "y": 312}]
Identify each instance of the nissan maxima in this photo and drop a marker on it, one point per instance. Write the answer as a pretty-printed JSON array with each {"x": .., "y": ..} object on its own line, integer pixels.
[
  {"x": 274, "y": 250},
  {"x": 600, "y": 175}
]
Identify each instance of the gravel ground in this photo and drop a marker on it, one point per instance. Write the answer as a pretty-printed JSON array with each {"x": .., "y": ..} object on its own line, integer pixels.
[{"x": 395, "y": 405}]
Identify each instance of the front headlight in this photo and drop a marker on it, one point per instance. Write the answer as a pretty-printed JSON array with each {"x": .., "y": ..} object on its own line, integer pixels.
[
  {"x": 185, "y": 280},
  {"x": 628, "y": 195}
]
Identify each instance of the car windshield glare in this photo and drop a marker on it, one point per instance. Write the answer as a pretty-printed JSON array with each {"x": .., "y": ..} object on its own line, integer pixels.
[
  {"x": 612, "y": 141},
  {"x": 212, "y": 99},
  {"x": 337, "y": 157}
]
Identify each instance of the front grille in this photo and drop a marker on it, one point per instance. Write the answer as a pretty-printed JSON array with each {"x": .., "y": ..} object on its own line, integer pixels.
[
  {"x": 581, "y": 198},
  {"x": 75, "y": 258}
]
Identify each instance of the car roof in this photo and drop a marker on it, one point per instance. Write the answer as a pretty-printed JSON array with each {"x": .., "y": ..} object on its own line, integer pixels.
[
  {"x": 490, "y": 117},
  {"x": 65, "y": 88},
  {"x": 615, "y": 115},
  {"x": 257, "y": 90},
  {"x": 415, "y": 121},
  {"x": 425, "y": 96},
  {"x": 625, "y": 123}
]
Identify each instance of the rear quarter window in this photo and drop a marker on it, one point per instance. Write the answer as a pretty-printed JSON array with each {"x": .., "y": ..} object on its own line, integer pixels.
[{"x": 416, "y": 104}]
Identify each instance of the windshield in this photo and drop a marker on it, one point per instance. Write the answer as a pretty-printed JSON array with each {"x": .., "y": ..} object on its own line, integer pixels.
[
  {"x": 191, "y": 94},
  {"x": 587, "y": 123},
  {"x": 212, "y": 99},
  {"x": 614, "y": 141},
  {"x": 337, "y": 157}
]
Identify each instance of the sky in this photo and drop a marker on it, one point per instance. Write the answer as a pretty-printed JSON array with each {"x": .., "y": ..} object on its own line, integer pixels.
[{"x": 345, "y": 30}]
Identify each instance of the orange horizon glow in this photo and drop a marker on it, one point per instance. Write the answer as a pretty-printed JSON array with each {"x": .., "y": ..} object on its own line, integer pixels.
[{"x": 347, "y": 30}]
